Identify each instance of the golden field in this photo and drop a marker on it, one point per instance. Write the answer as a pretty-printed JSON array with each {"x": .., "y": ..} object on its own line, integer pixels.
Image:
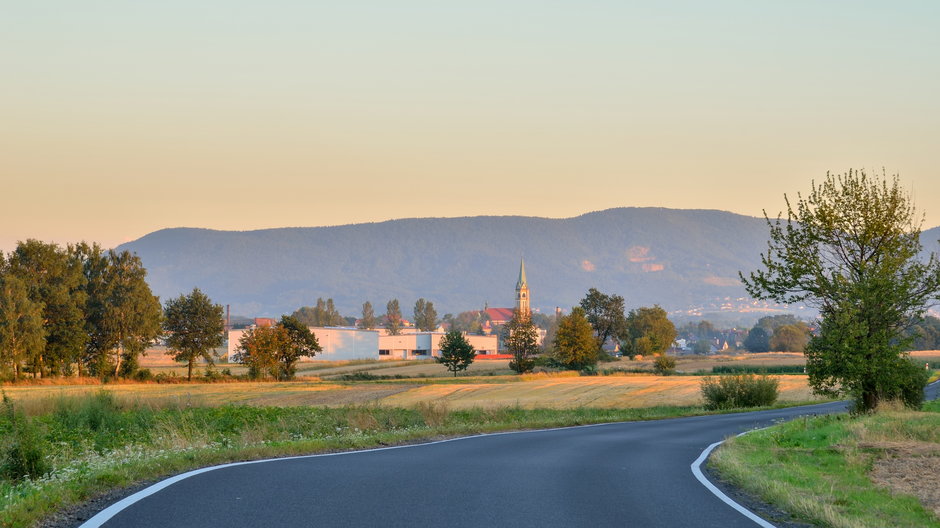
[{"x": 530, "y": 391}]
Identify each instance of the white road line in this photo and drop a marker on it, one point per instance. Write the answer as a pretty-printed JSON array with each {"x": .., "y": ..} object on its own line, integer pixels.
[{"x": 697, "y": 471}]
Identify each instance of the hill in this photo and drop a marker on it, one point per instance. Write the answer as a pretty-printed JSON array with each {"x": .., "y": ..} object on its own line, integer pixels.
[{"x": 677, "y": 258}]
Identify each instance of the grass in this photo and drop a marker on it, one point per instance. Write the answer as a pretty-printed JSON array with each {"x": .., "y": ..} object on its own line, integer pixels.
[
  {"x": 824, "y": 469},
  {"x": 97, "y": 442}
]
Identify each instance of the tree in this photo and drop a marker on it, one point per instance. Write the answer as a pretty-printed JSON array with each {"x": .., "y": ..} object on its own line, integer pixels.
[
  {"x": 649, "y": 331},
  {"x": 851, "y": 249},
  {"x": 259, "y": 348},
  {"x": 470, "y": 322},
  {"x": 21, "y": 330},
  {"x": 606, "y": 315},
  {"x": 790, "y": 338},
  {"x": 393, "y": 317},
  {"x": 53, "y": 278},
  {"x": 425, "y": 315},
  {"x": 575, "y": 344},
  {"x": 521, "y": 339},
  {"x": 367, "y": 322},
  {"x": 194, "y": 327},
  {"x": 301, "y": 342},
  {"x": 323, "y": 314},
  {"x": 757, "y": 340},
  {"x": 126, "y": 315},
  {"x": 456, "y": 352},
  {"x": 702, "y": 347}
]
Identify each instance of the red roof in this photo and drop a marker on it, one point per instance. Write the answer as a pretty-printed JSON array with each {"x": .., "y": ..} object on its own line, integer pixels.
[{"x": 499, "y": 314}]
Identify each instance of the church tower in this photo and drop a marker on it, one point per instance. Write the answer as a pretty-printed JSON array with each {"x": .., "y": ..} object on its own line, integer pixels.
[{"x": 522, "y": 292}]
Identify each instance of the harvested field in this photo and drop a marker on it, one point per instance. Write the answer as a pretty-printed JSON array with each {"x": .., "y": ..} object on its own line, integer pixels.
[
  {"x": 537, "y": 390},
  {"x": 39, "y": 399},
  {"x": 567, "y": 392}
]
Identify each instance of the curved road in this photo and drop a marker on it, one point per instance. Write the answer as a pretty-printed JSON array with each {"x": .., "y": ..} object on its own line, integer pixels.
[{"x": 621, "y": 474}]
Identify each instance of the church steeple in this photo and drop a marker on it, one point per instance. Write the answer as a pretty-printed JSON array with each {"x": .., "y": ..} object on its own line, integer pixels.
[{"x": 522, "y": 291}]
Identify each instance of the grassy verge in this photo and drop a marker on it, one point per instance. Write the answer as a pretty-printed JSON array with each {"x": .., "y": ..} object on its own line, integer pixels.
[
  {"x": 94, "y": 443},
  {"x": 821, "y": 469}
]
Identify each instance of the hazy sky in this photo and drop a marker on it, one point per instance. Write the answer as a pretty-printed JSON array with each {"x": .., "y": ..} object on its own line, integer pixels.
[{"x": 120, "y": 118}]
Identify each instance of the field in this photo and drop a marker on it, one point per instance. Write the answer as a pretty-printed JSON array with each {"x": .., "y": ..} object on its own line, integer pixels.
[{"x": 556, "y": 391}]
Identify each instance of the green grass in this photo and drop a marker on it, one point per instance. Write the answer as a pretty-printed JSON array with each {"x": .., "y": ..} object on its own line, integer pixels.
[
  {"x": 817, "y": 468},
  {"x": 95, "y": 443}
]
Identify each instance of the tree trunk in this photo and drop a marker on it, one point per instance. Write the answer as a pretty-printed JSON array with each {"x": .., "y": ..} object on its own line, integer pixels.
[
  {"x": 117, "y": 364},
  {"x": 189, "y": 375}
]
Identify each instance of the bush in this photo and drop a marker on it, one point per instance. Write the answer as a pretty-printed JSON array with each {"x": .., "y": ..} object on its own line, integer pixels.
[
  {"x": 143, "y": 375},
  {"x": 24, "y": 452},
  {"x": 908, "y": 386},
  {"x": 589, "y": 370},
  {"x": 664, "y": 365},
  {"x": 740, "y": 390}
]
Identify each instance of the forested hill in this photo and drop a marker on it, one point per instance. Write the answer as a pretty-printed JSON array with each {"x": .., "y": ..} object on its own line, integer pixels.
[{"x": 677, "y": 258}]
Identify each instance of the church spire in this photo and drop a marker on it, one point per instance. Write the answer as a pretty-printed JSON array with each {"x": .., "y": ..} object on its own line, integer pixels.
[
  {"x": 521, "y": 283},
  {"x": 522, "y": 291}
]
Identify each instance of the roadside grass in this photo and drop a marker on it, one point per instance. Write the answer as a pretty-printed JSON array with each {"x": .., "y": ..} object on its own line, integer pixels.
[
  {"x": 821, "y": 469},
  {"x": 98, "y": 442}
]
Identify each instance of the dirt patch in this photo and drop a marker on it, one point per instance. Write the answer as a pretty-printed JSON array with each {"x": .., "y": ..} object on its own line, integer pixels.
[{"x": 911, "y": 469}]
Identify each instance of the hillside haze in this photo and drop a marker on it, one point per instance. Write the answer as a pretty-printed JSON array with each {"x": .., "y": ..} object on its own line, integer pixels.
[{"x": 676, "y": 258}]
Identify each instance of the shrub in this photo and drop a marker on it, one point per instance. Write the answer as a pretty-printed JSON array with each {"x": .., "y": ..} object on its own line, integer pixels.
[
  {"x": 24, "y": 452},
  {"x": 664, "y": 365},
  {"x": 907, "y": 386},
  {"x": 143, "y": 375},
  {"x": 740, "y": 390},
  {"x": 589, "y": 370}
]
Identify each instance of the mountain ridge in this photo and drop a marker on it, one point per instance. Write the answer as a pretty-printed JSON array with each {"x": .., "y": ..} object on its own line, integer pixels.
[{"x": 674, "y": 257}]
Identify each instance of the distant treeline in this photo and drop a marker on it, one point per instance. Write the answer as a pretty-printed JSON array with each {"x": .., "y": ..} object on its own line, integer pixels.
[{"x": 756, "y": 369}]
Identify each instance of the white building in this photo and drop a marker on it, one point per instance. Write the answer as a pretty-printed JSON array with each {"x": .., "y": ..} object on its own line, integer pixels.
[
  {"x": 424, "y": 345},
  {"x": 337, "y": 343}
]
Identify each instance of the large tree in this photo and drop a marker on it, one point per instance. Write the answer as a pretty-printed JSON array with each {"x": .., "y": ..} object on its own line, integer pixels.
[
  {"x": 323, "y": 314},
  {"x": 425, "y": 315},
  {"x": 520, "y": 337},
  {"x": 393, "y": 317},
  {"x": 259, "y": 348},
  {"x": 456, "y": 352},
  {"x": 301, "y": 342},
  {"x": 22, "y": 334},
  {"x": 851, "y": 248},
  {"x": 575, "y": 345},
  {"x": 130, "y": 314},
  {"x": 53, "y": 278},
  {"x": 606, "y": 315},
  {"x": 649, "y": 331},
  {"x": 367, "y": 322},
  {"x": 194, "y": 326}
]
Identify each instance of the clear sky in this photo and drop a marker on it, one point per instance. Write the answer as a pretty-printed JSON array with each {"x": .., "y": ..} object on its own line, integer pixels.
[{"x": 119, "y": 118}]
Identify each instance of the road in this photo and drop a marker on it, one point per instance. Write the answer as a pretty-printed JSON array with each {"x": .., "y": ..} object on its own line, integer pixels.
[{"x": 633, "y": 474}]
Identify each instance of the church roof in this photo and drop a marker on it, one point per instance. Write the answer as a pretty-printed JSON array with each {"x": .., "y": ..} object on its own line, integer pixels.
[
  {"x": 499, "y": 314},
  {"x": 521, "y": 283}
]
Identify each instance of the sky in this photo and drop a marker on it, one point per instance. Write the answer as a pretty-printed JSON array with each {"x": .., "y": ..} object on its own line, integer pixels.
[{"x": 120, "y": 118}]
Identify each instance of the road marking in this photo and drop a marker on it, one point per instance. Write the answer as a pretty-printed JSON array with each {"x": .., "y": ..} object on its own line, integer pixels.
[
  {"x": 108, "y": 513},
  {"x": 697, "y": 471}
]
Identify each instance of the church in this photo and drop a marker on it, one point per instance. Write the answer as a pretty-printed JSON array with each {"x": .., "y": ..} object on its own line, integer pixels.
[{"x": 501, "y": 316}]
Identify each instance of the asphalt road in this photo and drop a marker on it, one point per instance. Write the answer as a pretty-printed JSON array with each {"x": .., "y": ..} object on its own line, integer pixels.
[{"x": 634, "y": 474}]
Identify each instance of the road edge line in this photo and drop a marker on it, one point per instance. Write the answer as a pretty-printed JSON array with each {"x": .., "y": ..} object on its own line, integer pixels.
[{"x": 697, "y": 471}]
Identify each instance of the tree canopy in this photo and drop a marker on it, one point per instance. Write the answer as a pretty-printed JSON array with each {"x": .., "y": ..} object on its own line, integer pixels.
[
  {"x": 851, "y": 248},
  {"x": 393, "y": 322},
  {"x": 605, "y": 313},
  {"x": 520, "y": 337},
  {"x": 194, "y": 326},
  {"x": 425, "y": 316},
  {"x": 575, "y": 344},
  {"x": 324, "y": 313},
  {"x": 649, "y": 331},
  {"x": 456, "y": 352},
  {"x": 367, "y": 321}
]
